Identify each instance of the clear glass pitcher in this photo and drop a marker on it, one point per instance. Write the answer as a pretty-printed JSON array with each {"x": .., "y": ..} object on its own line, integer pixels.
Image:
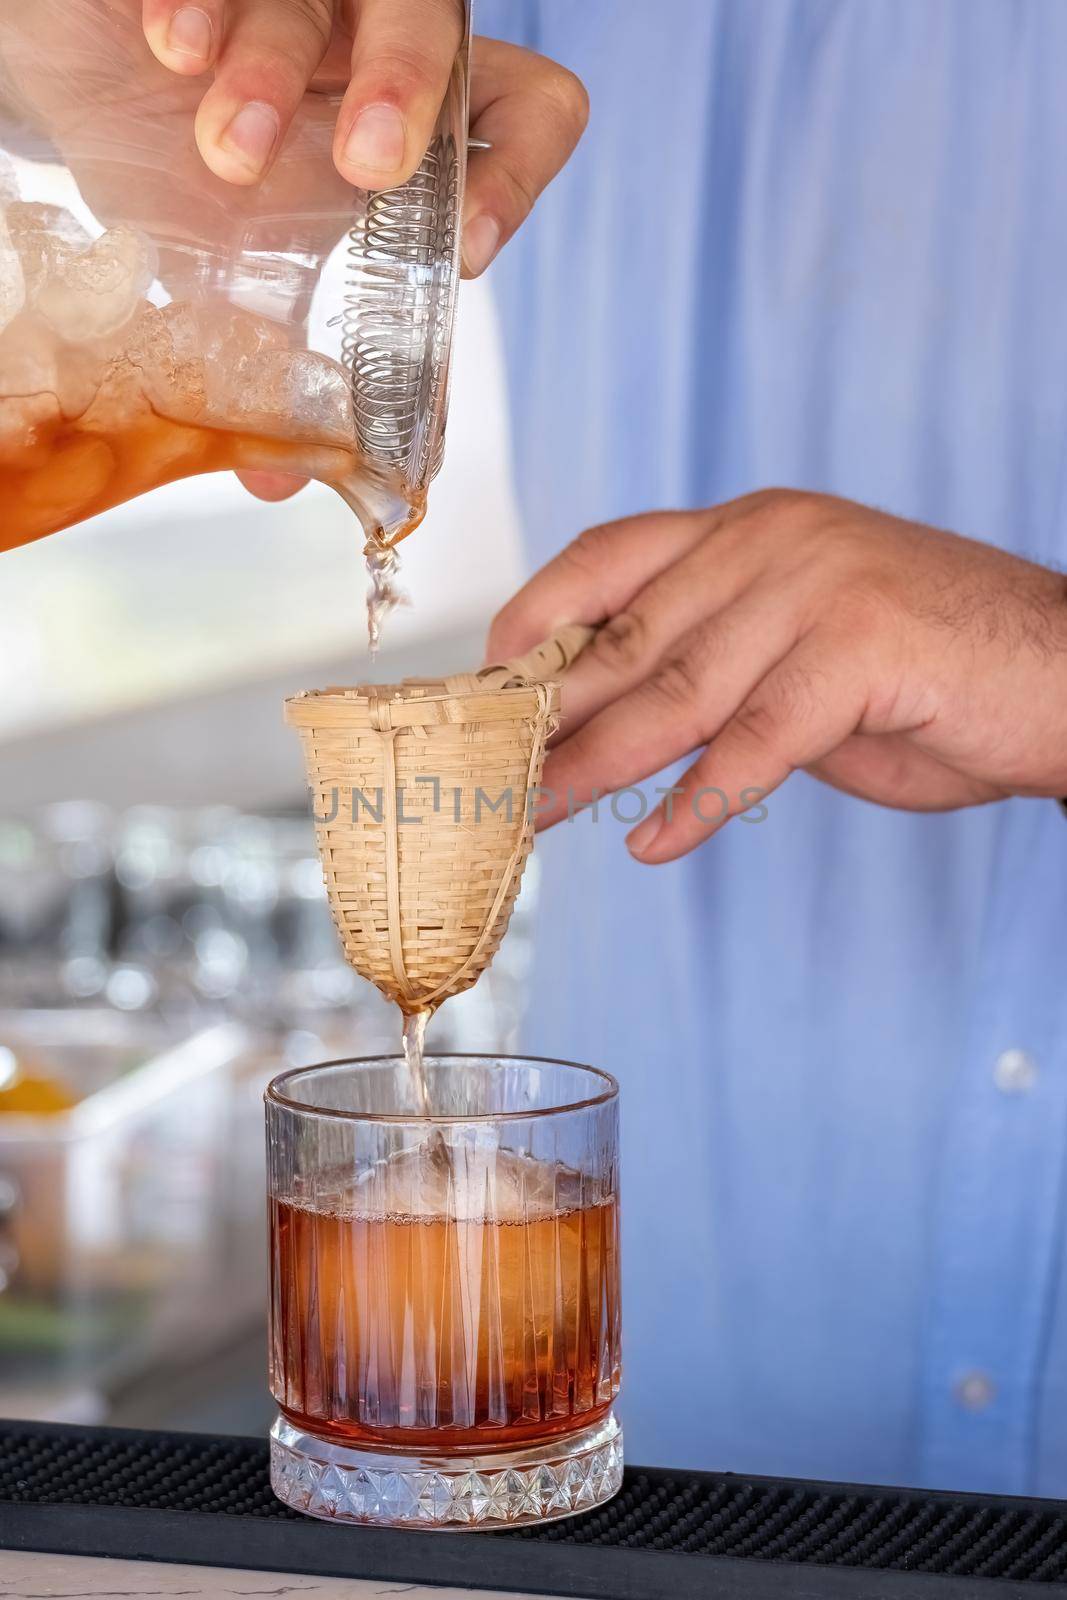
[{"x": 157, "y": 322}]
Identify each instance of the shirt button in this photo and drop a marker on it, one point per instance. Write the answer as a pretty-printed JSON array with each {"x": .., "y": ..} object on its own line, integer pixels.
[
  {"x": 1014, "y": 1072},
  {"x": 974, "y": 1390}
]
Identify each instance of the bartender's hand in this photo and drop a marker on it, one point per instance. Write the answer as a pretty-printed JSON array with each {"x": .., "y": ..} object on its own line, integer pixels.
[
  {"x": 901, "y": 664},
  {"x": 78, "y": 72},
  {"x": 397, "y": 55}
]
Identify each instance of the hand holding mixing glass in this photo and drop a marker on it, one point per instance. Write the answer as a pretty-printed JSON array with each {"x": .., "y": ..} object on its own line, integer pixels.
[{"x": 161, "y": 316}]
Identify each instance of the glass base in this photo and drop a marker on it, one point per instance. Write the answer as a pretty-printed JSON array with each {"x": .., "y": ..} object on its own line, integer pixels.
[{"x": 538, "y": 1483}]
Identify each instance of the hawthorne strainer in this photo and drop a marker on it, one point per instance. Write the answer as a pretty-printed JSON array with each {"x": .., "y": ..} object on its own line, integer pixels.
[{"x": 399, "y": 313}]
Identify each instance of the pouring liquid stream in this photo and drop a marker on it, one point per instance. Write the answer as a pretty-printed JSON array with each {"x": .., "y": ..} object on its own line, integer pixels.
[
  {"x": 384, "y": 593},
  {"x": 415, "y": 1022},
  {"x": 414, "y": 1039}
]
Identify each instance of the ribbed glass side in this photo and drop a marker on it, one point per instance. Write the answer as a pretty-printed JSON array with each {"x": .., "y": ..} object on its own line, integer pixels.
[{"x": 445, "y": 1287}]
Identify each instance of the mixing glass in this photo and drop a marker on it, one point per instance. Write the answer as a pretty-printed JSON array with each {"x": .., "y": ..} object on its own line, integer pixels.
[{"x": 157, "y": 322}]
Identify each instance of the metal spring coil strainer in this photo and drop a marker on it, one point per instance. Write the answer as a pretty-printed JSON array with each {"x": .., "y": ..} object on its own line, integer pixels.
[{"x": 402, "y": 281}]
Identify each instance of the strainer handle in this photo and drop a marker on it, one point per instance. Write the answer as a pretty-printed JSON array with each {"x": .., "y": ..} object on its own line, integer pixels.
[{"x": 547, "y": 660}]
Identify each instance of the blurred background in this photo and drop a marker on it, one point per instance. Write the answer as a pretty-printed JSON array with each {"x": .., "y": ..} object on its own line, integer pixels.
[{"x": 165, "y": 945}]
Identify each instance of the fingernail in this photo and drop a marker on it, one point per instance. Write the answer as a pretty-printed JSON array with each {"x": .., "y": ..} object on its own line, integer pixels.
[
  {"x": 189, "y": 33},
  {"x": 481, "y": 240},
  {"x": 644, "y": 836},
  {"x": 252, "y": 134},
  {"x": 376, "y": 140}
]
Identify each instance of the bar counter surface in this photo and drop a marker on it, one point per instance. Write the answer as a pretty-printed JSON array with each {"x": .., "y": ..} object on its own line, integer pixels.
[
  {"x": 102, "y": 1513},
  {"x": 25, "y": 1575}
]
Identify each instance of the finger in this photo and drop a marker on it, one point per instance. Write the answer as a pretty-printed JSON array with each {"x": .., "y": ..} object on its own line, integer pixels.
[
  {"x": 402, "y": 57},
  {"x": 533, "y": 112},
  {"x": 184, "y": 35},
  {"x": 595, "y": 577},
  {"x": 794, "y": 717},
  {"x": 599, "y": 574},
  {"x": 704, "y": 581},
  {"x": 689, "y": 696},
  {"x": 271, "y": 485},
  {"x": 271, "y": 50}
]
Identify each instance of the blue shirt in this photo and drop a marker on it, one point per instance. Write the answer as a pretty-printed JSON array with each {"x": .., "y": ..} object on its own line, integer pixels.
[{"x": 818, "y": 243}]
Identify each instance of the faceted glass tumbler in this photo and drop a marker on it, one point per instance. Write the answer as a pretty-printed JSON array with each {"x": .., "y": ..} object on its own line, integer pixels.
[{"x": 444, "y": 1313}]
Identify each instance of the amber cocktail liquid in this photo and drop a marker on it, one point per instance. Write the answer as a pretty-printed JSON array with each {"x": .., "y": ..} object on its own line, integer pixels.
[
  {"x": 402, "y": 1330},
  {"x": 76, "y": 469},
  {"x": 445, "y": 1309}
]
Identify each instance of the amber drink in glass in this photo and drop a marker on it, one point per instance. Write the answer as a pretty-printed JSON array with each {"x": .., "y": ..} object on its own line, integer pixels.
[{"x": 444, "y": 1290}]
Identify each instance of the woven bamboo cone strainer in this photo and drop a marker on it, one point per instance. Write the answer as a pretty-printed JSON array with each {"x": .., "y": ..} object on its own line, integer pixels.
[{"x": 422, "y": 816}]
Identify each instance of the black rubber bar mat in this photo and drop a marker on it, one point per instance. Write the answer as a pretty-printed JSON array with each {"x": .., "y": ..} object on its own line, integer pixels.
[{"x": 195, "y": 1498}]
